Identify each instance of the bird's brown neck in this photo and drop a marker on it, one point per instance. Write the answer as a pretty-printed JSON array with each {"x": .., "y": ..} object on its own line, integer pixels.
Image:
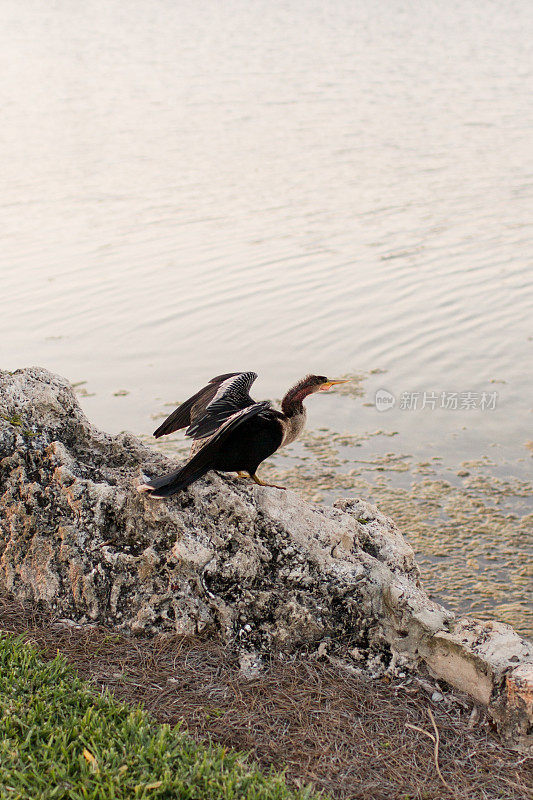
[{"x": 292, "y": 404}]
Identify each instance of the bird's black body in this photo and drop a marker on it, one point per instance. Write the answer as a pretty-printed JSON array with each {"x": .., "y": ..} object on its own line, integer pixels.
[
  {"x": 238, "y": 455},
  {"x": 232, "y": 432}
]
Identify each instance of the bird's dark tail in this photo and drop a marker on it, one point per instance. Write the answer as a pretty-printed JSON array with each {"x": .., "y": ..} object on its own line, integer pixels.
[{"x": 174, "y": 481}]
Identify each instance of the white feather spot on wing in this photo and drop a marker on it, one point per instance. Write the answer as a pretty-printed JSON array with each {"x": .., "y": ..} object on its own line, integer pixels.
[
  {"x": 222, "y": 390},
  {"x": 235, "y": 387}
]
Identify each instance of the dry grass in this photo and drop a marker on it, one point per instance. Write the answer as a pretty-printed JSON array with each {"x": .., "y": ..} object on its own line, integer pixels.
[{"x": 346, "y": 734}]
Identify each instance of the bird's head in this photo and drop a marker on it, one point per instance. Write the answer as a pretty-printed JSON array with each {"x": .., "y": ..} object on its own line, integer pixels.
[
  {"x": 309, "y": 385},
  {"x": 317, "y": 383}
]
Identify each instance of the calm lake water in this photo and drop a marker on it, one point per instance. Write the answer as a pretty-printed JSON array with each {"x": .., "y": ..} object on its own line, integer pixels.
[{"x": 190, "y": 188}]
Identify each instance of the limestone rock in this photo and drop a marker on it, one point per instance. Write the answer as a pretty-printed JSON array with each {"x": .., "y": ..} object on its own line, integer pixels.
[{"x": 257, "y": 566}]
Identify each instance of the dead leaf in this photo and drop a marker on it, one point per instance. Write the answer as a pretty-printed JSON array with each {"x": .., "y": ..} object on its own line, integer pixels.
[{"x": 91, "y": 759}]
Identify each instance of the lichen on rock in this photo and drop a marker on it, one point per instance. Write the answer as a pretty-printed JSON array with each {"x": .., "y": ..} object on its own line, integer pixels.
[{"x": 257, "y": 566}]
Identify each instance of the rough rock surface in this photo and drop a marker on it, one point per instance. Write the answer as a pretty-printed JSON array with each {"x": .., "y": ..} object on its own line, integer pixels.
[{"x": 255, "y": 565}]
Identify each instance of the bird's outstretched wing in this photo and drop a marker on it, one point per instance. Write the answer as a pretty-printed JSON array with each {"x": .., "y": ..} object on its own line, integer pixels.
[
  {"x": 233, "y": 395},
  {"x": 193, "y": 408},
  {"x": 203, "y": 461}
]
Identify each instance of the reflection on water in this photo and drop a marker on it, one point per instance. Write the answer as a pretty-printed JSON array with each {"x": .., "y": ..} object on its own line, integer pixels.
[{"x": 189, "y": 189}]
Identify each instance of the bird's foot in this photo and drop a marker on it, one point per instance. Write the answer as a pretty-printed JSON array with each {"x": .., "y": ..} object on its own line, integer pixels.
[{"x": 262, "y": 483}]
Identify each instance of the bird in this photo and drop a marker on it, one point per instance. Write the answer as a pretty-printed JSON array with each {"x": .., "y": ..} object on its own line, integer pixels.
[{"x": 230, "y": 431}]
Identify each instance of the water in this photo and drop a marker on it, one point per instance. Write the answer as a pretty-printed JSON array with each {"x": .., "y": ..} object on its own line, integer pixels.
[{"x": 289, "y": 187}]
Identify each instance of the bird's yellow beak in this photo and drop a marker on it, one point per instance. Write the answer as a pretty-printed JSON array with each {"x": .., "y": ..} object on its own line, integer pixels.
[{"x": 329, "y": 384}]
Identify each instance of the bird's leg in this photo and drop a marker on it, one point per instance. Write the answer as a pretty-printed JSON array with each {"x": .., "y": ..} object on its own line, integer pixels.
[
  {"x": 258, "y": 480},
  {"x": 241, "y": 474}
]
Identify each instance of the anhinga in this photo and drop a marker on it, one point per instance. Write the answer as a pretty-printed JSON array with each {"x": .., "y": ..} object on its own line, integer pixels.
[{"x": 232, "y": 432}]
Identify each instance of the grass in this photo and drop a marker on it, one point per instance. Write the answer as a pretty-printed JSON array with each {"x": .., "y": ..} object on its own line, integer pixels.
[
  {"x": 349, "y": 736},
  {"x": 58, "y": 739}
]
